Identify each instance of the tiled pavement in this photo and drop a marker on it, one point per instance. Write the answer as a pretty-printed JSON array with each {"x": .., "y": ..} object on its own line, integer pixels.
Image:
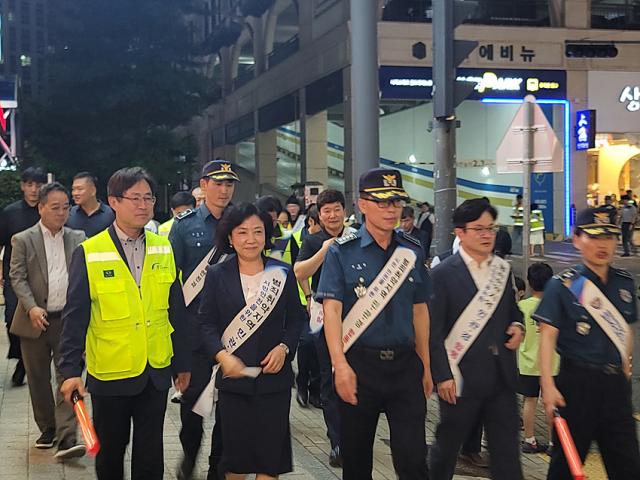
[{"x": 19, "y": 460}]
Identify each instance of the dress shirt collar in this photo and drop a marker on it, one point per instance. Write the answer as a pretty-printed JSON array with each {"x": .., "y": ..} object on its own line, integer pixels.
[
  {"x": 47, "y": 233},
  {"x": 123, "y": 237},
  {"x": 471, "y": 263}
]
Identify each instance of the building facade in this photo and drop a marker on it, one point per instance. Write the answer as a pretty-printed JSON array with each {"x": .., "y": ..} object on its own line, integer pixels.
[{"x": 284, "y": 67}]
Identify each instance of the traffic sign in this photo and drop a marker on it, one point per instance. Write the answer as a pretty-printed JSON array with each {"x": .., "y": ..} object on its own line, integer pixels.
[{"x": 547, "y": 155}]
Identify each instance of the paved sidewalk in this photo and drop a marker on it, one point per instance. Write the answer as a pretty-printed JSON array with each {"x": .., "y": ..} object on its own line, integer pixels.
[{"x": 19, "y": 460}]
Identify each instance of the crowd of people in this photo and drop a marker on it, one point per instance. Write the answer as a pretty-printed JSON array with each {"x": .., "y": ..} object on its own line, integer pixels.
[{"x": 223, "y": 298}]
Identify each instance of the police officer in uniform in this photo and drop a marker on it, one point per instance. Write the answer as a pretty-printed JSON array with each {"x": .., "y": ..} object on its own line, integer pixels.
[
  {"x": 592, "y": 390},
  {"x": 125, "y": 309},
  {"x": 192, "y": 237},
  {"x": 387, "y": 367}
]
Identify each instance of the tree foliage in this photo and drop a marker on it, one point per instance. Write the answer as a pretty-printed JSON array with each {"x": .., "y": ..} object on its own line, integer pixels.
[{"x": 123, "y": 77}]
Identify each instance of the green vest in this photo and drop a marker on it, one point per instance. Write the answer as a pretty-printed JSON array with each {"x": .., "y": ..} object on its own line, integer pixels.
[
  {"x": 165, "y": 228},
  {"x": 537, "y": 220},
  {"x": 518, "y": 216},
  {"x": 129, "y": 326}
]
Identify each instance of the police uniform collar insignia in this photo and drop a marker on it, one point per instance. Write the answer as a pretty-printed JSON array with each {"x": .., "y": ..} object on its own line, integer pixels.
[
  {"x": 625, "y": 295},
  {"x": 623, "y": 273},
  {"x": 185, "y": 214},
  {"x": 360, "y": 289},
  {"x": 410, "y": 238},
  {"x": 583, "y": 328},
  {"x": 346, "y": 239}
]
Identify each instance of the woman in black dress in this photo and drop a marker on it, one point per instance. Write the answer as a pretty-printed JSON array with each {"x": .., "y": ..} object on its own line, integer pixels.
[{"x": 251, "y": 318}]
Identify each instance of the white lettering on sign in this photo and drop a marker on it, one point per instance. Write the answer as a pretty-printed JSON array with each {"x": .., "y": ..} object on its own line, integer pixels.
[
  {"x": 631, "y": 96},
  {"x": 411, "y": 82},
  {"x": 490, "y": 81}
]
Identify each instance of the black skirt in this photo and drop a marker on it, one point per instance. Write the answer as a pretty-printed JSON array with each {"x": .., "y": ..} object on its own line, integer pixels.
[{"x": 256, "y": 434}]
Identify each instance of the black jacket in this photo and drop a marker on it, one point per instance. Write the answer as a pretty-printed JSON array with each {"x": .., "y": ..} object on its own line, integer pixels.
[
  {"x": 221, "y": 300},
  {"x": 454, "y": 289}
]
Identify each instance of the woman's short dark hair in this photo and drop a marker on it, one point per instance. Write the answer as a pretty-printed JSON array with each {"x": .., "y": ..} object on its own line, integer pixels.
[
  {"x": 312, "y": 212},
  {"x": 125, "y": 178},
  {"x": 471, "y": 210},
  {"x": 47, "y": 188},
  {"x": 182, "y": 199},
  {"x": 289, "y": 217},
  {"x": 233, "y": 216},
  {"x": 538, "y": 275},
  {"x": 88, "y": 175},
  {"x": 268, "y": 203},
  {"x": 329, "y": 196},
  {"x": 33, "y": 174}
]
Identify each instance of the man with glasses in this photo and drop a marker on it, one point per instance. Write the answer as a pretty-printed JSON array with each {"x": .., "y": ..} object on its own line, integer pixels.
[
  {"x": 192, "y": 237},
  {"x": 476, "y": 331},
  {"x": 374, "y": 288},
  {"x": 125, "y": 310}
]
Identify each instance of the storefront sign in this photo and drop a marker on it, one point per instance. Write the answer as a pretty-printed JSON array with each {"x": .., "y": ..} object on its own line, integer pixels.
[
  {"x": 585, "y": 129},
  {"x": 417, "y": 83},
  {"x": 519, "y": 54},
  {"x": 616, "y": 97}
]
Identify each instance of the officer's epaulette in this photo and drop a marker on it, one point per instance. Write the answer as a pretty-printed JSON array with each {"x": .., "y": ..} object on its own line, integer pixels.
[
  {"x": 410, "y": 238},
  {"x": 185, "y": 214},
  {"x": 346, "y": 238},
  {"x": 567, "y": 274},
  {"x": 623, "y": 273}
]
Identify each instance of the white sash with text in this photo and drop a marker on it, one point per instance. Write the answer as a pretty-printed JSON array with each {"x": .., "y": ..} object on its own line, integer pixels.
[{"x": 193, "y": 285}]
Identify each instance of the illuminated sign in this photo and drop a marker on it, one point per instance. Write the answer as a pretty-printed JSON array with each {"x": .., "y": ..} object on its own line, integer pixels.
[
  {"x": 630, "y": 96},
  {"x": 585, "y": 129},
  {"x": 417, "y": 83}
]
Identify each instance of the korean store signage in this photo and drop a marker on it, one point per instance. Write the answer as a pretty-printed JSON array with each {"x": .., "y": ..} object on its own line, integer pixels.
[
  {"x": 417, "y": 83},
  {"x": 585, "y": 129},
  {"x": 616, "y": 97}
]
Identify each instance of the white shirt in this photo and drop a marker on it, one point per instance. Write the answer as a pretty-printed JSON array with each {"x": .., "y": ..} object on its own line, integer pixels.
[
  {"x": 58, "y": 276},
  {"x": 250, "y": 285},
  {"x": 479, "y": 271}
]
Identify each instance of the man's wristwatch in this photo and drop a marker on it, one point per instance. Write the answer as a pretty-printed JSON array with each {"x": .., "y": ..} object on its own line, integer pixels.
[{"x": 284, "y": 347}]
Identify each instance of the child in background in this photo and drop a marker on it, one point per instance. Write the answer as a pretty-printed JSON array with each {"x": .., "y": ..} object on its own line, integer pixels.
[
  {"x": 521, "y": 288},
  {"x": 538, "y": 275}
]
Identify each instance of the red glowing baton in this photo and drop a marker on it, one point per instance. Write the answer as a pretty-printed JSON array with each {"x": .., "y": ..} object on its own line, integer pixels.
[
  {"x": 569, "y": 448},
  {"x": 86, "y": 427}
]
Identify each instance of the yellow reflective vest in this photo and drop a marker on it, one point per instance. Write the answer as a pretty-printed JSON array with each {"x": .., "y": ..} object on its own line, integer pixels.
[
  {"x": 129, "y": 325},
  {"x": 165, "y": 228}
]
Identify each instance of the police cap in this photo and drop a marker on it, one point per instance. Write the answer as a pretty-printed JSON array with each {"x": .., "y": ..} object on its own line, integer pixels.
[
  {"x": 382, "y": 184},
  {"x": 219, "y": 170},
  {"x": 595, "y": 223}
]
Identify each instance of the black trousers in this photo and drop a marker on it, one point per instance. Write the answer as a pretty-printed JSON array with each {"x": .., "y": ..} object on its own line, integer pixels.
[
  {"x": 473, "y": 443},
  {"x": 627, "y": 237},
  {"x": 598, "y": 408},
  {"x": 499, "y": 415},
  {"x": 191, "y": 431},
  {"x": 395, "y": 388},
  {"x": 308, "y": 379},
  {"x": 328, "y": 397},
  {"x": 10, "y": 305},
  {"x": 112, "y": 417}
]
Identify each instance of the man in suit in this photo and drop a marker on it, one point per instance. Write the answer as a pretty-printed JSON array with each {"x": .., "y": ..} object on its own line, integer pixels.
[
  {"x": 125, "y": 308},
  {"x": 39, "y": 276},
  {"x": 407, "y": 224},
  {"x": 476, "y": 331}
]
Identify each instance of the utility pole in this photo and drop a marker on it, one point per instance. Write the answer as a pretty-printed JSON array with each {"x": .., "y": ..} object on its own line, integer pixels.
[
  {"x": 364, "y": 89},
  {"x": 528, "y": 161},
  {"x": 448, "y": 54}
]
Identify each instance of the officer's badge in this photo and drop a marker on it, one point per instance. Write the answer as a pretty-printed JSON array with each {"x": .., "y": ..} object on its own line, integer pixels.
[
  {"x": 625, "y": 295},
  {"x": 389, "y": 180},
  {"x": 226, "y": 167},
  {"x": 601, "y": 218},
  {"x": 583, "y": 328},
  {"x": 596, "y": 303},
  {"x": 360, "y": 289}
]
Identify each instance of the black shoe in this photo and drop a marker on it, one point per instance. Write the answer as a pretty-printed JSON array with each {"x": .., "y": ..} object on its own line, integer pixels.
[
  {"x": 302, "y": 399},
  {"x": 335, "y": 459},
  {"x": 47, "y": 439},
  {"x": 68, "y": 449},
  {"x": 314, "y": 401},
  {"x": 185, "y": 470},
  {"x": 18, "y": 375}
]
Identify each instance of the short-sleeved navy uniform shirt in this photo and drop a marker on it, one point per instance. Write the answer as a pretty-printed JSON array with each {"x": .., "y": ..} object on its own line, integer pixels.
[
  {"x": 580, "y": 338},
  {"x": 92, "y": 224},
  {"x": 192, "y": 236},
  {"x": 356, "y": 260}
]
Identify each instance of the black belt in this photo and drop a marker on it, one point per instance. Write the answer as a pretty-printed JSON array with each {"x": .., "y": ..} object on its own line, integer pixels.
[
  {"x": 384, "y": 354},
  {"x": 606, "y": 368}
]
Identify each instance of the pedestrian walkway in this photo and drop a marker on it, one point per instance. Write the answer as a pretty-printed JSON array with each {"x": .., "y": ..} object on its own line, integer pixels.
[{"x": 19, "y": 460}]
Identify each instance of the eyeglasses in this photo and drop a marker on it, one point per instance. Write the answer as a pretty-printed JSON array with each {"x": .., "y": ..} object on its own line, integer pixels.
[
  {"x": 147, "y": 200},
  {"x": 492, "y": 230},
  {"x": 384, "y": 204}
]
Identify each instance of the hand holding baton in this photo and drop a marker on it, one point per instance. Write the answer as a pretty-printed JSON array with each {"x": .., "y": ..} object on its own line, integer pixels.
[
  {"x": 568, "y": 446},
  {"x": 86, "y": 427}
]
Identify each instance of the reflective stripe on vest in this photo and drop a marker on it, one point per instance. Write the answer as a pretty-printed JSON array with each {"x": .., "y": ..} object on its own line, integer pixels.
[
  {"x": 129, "y": 326},
  {"x": 165, "y": 228}
]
